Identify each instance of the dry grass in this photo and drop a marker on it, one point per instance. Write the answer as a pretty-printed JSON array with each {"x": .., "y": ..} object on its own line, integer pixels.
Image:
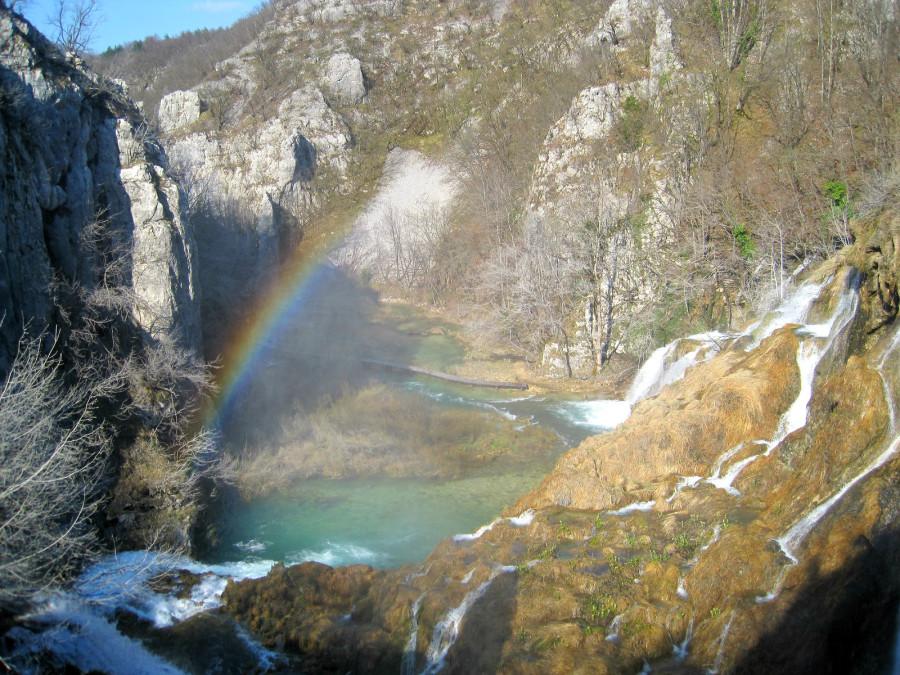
[{"x": 379, "y": 431}]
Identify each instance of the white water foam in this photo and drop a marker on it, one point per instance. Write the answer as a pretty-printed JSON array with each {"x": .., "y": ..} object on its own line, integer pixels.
[
  {"x": 648, "y": 378},
  {"x": 466, "y": 579},
  {"x": 79, "y": 637},
  {"x": 266, "y": 659},
  {"x": 408, "y": 663},
  {"x": 336, "y": 554},
  {"x": 795, "y": 536},
  {"x": 445, "y": 397},
  {"x": 80, "y": 629},
  {"x": 477, "y": 534},
  {"x": 522, "y": 520},
  {"x": 446, "y": 631},
  {"x": 614, "y": 626},
  {"x": 599, "y": 414},
  {"x": 888, "y": 394},
  {"x": 810, "y": 353},
  {"x": 683, "y": 483},
  {"x": 632, "y": 508},
  {"x": 776, "y": 589},
  {"x": 681, "y": 650},
  {"x": 122, "y": 582},
  {"x": 252, "y": 546},
  {"x": 657, "y": 372},
  {"x": 720, "y": 653},
  {"x": 793, "y": 309}
]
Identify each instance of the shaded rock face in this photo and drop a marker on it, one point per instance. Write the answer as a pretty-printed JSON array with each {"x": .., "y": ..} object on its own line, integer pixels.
[
  {"x": 792, "y": 570},
  {"x": 87, "y": 201},
  {"x": 252, "y": 193},
  {"x": 344, "y": 78}
]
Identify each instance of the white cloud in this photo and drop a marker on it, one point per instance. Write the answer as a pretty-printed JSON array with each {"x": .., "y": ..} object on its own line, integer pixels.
[{"x": 218, "y": 6}]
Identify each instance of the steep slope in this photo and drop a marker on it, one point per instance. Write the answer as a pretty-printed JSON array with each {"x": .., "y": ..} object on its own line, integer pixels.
[
  {"x": 742, "y": 520},
  {"x": 85, "y": 185},
  {"x": 653, "y": 168},
  {"x": 98, "y": 295}
]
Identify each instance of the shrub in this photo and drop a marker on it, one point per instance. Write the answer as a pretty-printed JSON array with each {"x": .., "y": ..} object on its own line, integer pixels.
[
  {"x": 52, "y": 453},
  {"x": 744, "y": 241}
]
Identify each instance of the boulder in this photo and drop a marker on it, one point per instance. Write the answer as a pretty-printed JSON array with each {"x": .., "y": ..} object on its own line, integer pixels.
[{"x": 344, "y": 78}]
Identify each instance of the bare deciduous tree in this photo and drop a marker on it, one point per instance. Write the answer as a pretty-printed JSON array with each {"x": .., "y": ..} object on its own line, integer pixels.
[
  {"x": 75, "y": 22},
  {"x": 52, "y": 452}
]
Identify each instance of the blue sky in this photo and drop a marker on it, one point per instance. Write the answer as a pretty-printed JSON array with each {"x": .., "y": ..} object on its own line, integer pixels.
[{"x": 125, "y": 20}]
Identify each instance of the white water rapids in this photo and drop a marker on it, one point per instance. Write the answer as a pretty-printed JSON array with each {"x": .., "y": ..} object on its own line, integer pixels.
[{"x": 78, "y": 626}]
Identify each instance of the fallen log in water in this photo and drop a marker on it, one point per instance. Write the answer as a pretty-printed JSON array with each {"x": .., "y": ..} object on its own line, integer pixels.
[{"x": 445, "y": 376}]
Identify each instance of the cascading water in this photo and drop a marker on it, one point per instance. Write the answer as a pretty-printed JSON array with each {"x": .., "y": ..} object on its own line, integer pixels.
[
  {"x": 681, "y": 649},
  {"x": 633, "y": 508},
  {"x": 614, "y": 626},
  {"x": 446, "y": 631},
  {"x": 791, "y": 540},
  {"x": 408, "y": 664},
  {"x": 657, "y": 372},
  {"x": 522, "y": 520},
  {"x": 816, "y": 343},
  {"x": 80, "y": 623},
  {"x": 720, "y": 652},
  {"x": 794, "y": 309}
]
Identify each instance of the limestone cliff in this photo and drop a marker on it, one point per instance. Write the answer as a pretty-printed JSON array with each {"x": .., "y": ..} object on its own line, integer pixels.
[
  {"x": 99, "y": 260},
  {"x": 87, "y": 199}
]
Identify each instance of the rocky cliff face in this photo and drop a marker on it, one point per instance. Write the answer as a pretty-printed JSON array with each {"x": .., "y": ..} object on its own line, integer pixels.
[
  {"x": 99, "y": 258},
  {"x": 87, "y": 199},
  {"x": 745, "y": 519}
]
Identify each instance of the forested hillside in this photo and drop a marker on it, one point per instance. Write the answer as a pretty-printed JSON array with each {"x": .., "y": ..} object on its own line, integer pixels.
[{"x": 673, "y": 161}]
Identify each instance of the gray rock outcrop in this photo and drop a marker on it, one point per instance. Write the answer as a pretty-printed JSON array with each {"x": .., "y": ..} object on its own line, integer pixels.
[
  {"x": 178, "y": 110},
  {"x": 344, "y": 78},
  {"x": 87, "y": 206},
  {"x": 262, "y": 176}
]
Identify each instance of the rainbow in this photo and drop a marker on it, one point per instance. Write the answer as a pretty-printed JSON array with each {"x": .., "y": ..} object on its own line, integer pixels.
[{"x": 297, "y": 282}]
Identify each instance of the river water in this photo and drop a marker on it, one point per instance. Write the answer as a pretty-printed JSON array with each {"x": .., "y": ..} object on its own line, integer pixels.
[{"x": 380, "y": 521}]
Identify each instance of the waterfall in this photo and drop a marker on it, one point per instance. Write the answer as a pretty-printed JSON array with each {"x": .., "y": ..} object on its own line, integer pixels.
[
  {"x": 888, "y": 395},
  {"x": 793, "y": 309},
  {"x": 810, "y": 353},
  {"x": 684, "y": 482},
  {"x": 78, "y": 636},
  {"x": 795, "y": 536},
  {"x": 791, "y": 540},
  {"x": 650, "y": 374},
  {"x": 798, "y": 532},
  {"x": 614, "y": 625},
  {"x": 720, "y": 653},
  {"x": 408, "y": 664},
  {"x": 524, "y": 519},
  {"x": 660, "y": 371},
  {"x": 681, "y": 649},
  {"x": 446, "y": 631},
  {"x": 80, "y": 623},
  {"x": 631, "y": 508}
]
